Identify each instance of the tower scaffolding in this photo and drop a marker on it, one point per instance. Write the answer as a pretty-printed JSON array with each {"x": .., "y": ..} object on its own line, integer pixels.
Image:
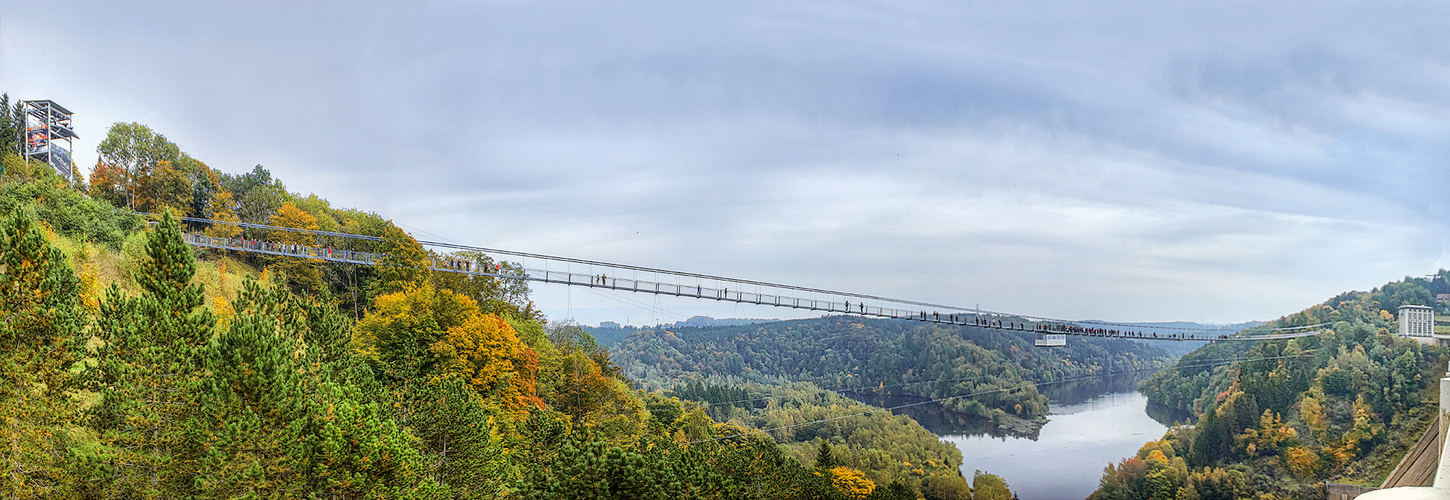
[{"x": 46, "y": 125}]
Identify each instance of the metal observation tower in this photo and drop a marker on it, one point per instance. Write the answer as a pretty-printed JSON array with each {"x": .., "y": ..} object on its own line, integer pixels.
[{"x": 47, "y": 135}]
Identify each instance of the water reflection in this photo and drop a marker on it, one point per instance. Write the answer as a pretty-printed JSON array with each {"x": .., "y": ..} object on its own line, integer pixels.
[
  {"x": 1168, "y": 415},
  {"x": 1064, "y": 398},
  {"x": 1071, "y": 392},
  {"x": 938, "y": 420},
  {"x": 1092, "y": 422}
]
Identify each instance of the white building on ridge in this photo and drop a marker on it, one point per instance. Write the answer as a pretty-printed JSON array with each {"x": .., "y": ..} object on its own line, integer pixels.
[{"x": 1418, "y": 322}]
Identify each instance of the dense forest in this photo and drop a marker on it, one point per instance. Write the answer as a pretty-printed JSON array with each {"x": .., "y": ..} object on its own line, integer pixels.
[
  {"x": 1343, "y": 405},
  {"x": 139, "y": 367},
  {"x": 999, "y": 369}
]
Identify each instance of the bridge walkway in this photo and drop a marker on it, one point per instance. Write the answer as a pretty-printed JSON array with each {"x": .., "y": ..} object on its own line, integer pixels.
[{"x": 841, "y": 303}]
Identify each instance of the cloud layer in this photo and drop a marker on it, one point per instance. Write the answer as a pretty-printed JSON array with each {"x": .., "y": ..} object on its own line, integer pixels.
[{"x": 1127, "y": 161}]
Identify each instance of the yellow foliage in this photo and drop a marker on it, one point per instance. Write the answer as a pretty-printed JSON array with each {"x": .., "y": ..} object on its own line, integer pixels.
[
  {"x": 224, "y": 230},
  {"x": 90, "y": 292},
  {"x": 1366, "y": 427},
  {"x": 1268, "y": 437},
  {"x": 852, "y": 483},
  {"x": 1161, "y": 446},
  {"x": 481, "y": 349},
  {"x": 1301, "y": 461},
  {"x": 291, "y": 216},
  {"x": 224, "y": 312},
  {"x": 1313, "y": 415}
]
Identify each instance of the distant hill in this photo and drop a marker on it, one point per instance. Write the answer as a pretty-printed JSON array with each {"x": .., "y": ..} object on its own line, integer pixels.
[
  {"x": 886, "y": 356},
  {"x": 609, "y": 332}
]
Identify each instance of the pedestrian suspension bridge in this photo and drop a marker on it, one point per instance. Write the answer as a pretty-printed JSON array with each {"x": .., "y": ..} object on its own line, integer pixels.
[{"x": 479, "y": 261}]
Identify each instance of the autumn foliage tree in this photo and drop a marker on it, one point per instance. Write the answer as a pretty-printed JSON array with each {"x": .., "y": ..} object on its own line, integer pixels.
[
  {"x": 130, "y": 157},
  {"x": 486, "y": 352},
  {"x": 302, "y": 274},
  {"x": 424, "y": 332}
]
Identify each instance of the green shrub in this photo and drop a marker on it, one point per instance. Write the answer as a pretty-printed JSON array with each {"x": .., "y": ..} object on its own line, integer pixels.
[{"x": 64, "y": 209}]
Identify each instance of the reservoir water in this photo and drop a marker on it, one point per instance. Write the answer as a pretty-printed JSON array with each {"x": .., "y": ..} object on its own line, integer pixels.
[{"x": 1091, "y": 424}]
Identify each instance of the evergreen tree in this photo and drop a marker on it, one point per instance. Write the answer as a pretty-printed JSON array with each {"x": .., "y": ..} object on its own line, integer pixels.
[
  {"x": 825, "y": 459},
  {"x": 39, "y": 299},
  {"x": 357, "y": 451},
  {"x": 281, "y": 418},
  {"x": 455, "y": 432},
  {"x": 11, "y": 123},
  {"x": 151, "y": 362},
  {"x": 246, "y": 438}
]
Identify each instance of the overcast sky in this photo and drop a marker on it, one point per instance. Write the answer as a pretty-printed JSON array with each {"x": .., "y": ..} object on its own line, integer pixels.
[{"x": 1121, "y": 160}]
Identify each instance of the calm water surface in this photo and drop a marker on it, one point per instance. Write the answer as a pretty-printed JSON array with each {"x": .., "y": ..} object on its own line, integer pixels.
[
  {"x": 1067, "y": 458},
  {"x": 1090, "y": 425}
]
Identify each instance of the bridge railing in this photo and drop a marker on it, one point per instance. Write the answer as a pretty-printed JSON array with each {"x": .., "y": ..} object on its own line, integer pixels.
[{"x": 698, "y": 290}]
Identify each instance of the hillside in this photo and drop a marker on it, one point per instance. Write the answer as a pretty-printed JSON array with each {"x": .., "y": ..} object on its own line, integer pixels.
[
  {"x": 883, "y": 356},
  {"x": 1343, "y": 405},
  {"x": 139, "y": 367}
]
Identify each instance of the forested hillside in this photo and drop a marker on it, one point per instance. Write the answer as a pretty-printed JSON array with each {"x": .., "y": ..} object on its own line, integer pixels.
[
  {"x": 1343, "y": 405},
  {"x": 138, "y": 367},
  {"x": 885, "y": 357}
]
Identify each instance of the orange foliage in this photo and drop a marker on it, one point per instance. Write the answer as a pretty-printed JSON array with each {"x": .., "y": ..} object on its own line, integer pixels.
[
  {"x": 486, "y": 352},
  {"x": 481, "y": 349},
  {"x": 109, "y": 182}
]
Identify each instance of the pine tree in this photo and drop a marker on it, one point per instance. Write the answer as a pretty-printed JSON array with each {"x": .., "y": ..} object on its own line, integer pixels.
[
  {"x": 455, "y": 431},
  {"x": 39, "y": 300},
  {"x": 246, "y": 441},
  {"x": 825, "y": 457},
  {"x": 150, "y": 365},
  {"x": 281, "y": 418}
]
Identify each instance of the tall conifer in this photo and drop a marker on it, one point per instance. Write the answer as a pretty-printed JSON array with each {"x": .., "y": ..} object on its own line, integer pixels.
[
  {"x": 40, "y": 304},
  {"x": 150, "y": 365}
]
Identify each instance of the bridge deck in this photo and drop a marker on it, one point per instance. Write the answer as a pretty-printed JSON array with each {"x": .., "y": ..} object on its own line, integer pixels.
[{"x": 700, "y": 291}]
